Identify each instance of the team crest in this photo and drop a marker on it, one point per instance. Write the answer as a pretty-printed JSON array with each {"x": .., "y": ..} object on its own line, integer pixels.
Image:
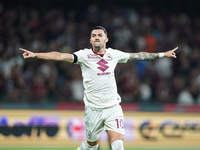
[{"x": 108, "y": 56}]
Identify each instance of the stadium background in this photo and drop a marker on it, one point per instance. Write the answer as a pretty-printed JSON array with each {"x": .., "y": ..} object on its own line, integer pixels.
[{"x": 170, "y": 87}]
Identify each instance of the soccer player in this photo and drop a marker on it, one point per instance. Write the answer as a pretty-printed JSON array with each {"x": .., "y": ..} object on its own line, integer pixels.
[{"x": 102, "y": 109}]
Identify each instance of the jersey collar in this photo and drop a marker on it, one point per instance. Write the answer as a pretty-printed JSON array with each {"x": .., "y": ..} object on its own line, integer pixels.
[{"x": 98, "y": 54}]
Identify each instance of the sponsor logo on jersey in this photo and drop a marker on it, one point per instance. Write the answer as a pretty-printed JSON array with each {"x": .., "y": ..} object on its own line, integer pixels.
[
  {"x": 93, "y": 56},
  {"x": 103, "y": 73},
  {"x": 102, "y": 65}
]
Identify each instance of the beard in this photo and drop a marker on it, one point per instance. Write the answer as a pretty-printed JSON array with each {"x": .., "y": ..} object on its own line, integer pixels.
[{"x": 97, "y": 46}]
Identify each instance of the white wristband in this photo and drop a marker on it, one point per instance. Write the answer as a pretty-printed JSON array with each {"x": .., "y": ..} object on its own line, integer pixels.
[{"x": 161, "y": 55}]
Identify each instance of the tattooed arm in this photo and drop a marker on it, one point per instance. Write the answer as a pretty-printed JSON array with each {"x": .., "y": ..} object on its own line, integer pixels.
[{"x": 144, "y": 56}]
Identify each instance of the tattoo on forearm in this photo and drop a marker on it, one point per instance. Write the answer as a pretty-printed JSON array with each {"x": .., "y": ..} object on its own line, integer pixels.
[{"x": 143, "y": 56}]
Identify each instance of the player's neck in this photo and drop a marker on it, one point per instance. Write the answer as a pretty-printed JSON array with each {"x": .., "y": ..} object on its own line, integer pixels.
[{"x": 99, "y": 51}]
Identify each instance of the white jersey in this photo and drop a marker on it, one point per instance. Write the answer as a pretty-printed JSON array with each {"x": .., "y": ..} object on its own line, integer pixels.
[{"x": 98, "y": 76}]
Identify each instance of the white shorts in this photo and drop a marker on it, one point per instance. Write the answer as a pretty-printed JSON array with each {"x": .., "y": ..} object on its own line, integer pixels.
[{"x": 96, "y": 119}]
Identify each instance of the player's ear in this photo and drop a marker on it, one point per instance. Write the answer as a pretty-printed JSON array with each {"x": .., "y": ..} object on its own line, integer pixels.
[{"x": 106, "y": 40}]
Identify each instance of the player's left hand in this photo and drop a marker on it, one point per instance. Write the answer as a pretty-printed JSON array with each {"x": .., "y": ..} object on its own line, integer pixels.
[{"x": 171, "y": 53}]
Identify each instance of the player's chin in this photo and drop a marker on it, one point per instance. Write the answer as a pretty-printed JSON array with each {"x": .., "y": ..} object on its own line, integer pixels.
[{"x": 97, "y": 46}]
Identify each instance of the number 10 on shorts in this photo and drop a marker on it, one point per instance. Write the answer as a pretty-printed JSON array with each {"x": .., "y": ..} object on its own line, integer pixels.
[{"x": 120, "y": 123}]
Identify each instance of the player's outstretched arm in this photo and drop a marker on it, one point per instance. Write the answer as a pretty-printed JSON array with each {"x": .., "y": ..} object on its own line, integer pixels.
[
  {"x": 56, "y": 56},
  {"x": 144, "y": 56}
]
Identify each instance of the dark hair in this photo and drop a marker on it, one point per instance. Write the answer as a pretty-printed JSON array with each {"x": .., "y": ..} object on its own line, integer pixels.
[{"x": 100, "y": 27}]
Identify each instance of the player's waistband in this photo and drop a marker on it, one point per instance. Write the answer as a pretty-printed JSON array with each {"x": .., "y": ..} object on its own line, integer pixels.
[{"x": 100, "y": 109}]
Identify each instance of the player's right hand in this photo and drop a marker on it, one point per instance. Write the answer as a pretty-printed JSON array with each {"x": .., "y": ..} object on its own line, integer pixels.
[{"x": 27, "y": 54}]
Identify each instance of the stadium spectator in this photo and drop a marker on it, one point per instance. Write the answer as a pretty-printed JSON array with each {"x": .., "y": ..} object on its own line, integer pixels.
[{"x": 41, "y": 30}]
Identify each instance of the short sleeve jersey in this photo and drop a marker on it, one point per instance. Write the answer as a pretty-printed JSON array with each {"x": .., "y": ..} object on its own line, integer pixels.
[{"x": 98, "y": 76}]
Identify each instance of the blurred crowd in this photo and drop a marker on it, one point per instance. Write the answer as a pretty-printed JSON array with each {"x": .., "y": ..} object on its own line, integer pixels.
[{"x": 163, "y": 80}]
